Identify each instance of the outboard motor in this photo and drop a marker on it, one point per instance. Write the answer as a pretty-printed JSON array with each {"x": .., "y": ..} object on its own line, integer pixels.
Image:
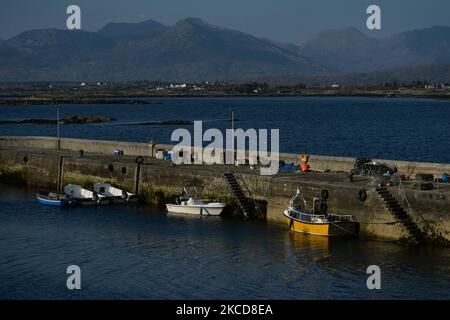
[{"x": 95, "y": 196}]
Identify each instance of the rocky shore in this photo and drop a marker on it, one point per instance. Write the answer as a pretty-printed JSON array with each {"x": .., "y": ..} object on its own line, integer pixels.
[
  {"x": 56, "y": 101},
  {"x": 66, "y": 120}
]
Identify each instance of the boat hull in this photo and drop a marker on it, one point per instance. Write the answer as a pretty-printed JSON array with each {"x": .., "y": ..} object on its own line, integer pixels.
[
  {"x": 48, "y": 201},
  {"x": 92, "y": 202},
  {"x": 335, "y": 229},
  {"x": 116, "y": 195},
  {"x": 121, "y": 200},
  {"x": 206, "y": 210},
  {"x": 85, "y": 197},
  {"x": 52, "y": 203}
]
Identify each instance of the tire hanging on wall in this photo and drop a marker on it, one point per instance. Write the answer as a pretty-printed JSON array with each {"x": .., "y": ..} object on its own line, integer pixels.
[
  {"x": 324, "y": 194},
  {"x": 362, "y": 195}
]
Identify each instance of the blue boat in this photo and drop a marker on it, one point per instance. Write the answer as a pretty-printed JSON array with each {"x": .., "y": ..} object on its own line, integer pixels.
[{"x": 55, "y": 200}]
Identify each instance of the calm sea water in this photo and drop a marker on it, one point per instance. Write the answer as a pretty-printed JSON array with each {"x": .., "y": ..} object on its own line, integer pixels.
[
  {"x": 404, "y": 129},
  {"x": 140, "y": 253}
]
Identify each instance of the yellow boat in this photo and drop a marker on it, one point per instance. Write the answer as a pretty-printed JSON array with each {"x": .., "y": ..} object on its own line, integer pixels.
[{"x": 301, "y": 219}]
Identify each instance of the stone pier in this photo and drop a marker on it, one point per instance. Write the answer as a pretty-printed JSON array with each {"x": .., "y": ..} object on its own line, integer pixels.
[{"x": 48, "y": 163}]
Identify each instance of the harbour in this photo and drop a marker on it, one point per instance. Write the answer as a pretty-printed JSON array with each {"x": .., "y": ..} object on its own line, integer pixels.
[
  {"x": 141, "y": 252},
  {"x": 54, "y": 163}
]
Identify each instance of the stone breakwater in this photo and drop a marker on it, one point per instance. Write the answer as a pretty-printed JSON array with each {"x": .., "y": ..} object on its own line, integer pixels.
[{"x": 49, "y": 163}]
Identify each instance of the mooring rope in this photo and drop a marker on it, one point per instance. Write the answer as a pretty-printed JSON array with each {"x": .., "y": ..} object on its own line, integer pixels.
[
  {"x": 341, "y": 228},
  {"x": 401, "y": 192},
  {"x": 390, "y": 222}
]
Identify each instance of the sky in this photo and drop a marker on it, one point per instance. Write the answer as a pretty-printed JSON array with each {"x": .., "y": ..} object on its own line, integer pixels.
[{"x": 279, "y": 20}]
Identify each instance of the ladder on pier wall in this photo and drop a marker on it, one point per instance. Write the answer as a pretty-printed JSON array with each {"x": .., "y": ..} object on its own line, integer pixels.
[
  {"x": 397, "y": 211},
  {"x": 244, "y": 202}
]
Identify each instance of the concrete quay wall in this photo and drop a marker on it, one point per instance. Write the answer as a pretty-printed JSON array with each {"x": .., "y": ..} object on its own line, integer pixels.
[
  {"x": 316, "y": 162},
  {"x": 158, "y": 181}
]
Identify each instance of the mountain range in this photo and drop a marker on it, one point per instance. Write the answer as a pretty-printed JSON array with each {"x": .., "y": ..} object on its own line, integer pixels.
[
  {"x": 193, "y": 51},
  {"x": 349, "y": 50}
]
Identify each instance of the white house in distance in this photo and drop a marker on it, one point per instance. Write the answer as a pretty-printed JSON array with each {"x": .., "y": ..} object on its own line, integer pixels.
[{"x": 178, "y": 86}]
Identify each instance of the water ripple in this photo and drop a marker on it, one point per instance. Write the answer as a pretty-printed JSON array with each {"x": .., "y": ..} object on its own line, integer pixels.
[{"x": 125, "y": 253}]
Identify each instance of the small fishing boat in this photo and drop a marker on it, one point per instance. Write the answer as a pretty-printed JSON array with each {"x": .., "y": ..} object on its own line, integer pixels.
[
  {"x": 55, "y": 200},
  {"x": 301, "y": 219},
  {"x": 84, "y": 196},
  {"x": 116, "y": 194},
  {"x": 195, "y": 205}
]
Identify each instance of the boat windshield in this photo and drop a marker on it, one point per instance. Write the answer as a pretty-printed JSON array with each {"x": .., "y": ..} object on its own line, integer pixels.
[{"x": 195, "y": 201}]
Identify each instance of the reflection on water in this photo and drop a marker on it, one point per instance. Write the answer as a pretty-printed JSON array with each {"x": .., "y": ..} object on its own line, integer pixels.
[{"x": 142, "y": 253}]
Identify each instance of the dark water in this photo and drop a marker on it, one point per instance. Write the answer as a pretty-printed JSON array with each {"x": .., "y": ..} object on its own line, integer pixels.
[
  {"x": 404, "y": 129},
  {"x": 139, "y": 253}
]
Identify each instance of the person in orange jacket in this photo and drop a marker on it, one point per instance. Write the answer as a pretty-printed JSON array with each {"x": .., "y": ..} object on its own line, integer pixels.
[{"x": 304, "y": 167}]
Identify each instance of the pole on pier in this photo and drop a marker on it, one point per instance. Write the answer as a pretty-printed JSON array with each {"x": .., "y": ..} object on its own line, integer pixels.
[
  {"x": 232, "y": 121},
  {"x": 57, "y": 128}
]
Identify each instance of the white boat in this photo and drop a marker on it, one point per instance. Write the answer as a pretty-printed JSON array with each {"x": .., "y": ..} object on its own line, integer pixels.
[
  {"x": 195, "y": 206},
  {"x": 114, "y": 193},
  {"x": 86, "y": 197}
]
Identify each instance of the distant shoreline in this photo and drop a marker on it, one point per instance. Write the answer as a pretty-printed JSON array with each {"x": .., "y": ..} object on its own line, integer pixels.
[
  {"x": 132, "y": 94},
  {"x": 56, "y": 101},
  {"x": 95, "y": 101}
]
